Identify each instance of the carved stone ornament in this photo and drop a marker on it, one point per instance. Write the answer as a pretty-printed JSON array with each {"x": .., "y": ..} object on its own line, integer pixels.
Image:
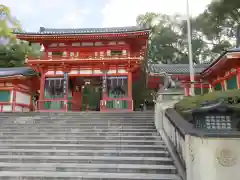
[
  {"x": 191, "y": 153},
  {"x": 226, "y": 157}
]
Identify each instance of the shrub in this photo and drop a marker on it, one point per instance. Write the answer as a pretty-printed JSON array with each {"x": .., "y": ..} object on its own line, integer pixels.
[{"x": 193, "y": 102}]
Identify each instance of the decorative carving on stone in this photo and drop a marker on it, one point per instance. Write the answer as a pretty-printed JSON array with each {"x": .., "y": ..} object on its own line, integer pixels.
[
  {"x": 191, "y": 153},
  {"x": 227, "y": 157}
]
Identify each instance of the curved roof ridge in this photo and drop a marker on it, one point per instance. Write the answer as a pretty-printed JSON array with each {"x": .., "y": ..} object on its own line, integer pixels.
[
  {"x": 14, "y": 71},
  {"x": 44, "y": 30}
]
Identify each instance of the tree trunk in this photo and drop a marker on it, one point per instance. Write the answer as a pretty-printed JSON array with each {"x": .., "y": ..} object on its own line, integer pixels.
[{"x": 238, "y": 36}]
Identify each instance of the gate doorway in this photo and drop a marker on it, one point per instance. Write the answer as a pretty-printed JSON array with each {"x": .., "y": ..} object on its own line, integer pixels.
[{"x": 91, "y": 98}]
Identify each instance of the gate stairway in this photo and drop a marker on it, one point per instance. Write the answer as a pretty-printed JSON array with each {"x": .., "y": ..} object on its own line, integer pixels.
[{"x": 85, "y": 145}]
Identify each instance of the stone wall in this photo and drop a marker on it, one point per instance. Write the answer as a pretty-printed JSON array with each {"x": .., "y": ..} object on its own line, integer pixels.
[{"x": 198, "y": 155}]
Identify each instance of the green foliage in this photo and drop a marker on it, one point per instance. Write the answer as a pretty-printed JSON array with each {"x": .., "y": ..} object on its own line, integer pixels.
[
  {"x": 11, "y": 56},
  {"x": 140, "y": 91},
  {"x": 189, "y": 103},
  {"x": 213, "y": 31},
  {"x": 13, "y": 51},
  {"x": 221, "y": 21},
  {"x": 8, "y": 23}
]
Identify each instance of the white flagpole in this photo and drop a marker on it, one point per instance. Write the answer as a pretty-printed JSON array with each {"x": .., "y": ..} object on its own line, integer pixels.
[{"x": 190, "y": 56}]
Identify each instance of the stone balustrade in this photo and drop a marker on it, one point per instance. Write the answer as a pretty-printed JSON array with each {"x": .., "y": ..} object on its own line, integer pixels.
[{"x": 198, "y": 154}]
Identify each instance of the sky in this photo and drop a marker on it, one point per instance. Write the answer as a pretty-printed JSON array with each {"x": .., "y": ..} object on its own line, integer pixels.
[{"x": 33, "y": 14}]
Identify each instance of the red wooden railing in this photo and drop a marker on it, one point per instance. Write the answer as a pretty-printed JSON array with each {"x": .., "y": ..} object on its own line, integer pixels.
[
  {"x": 45, "y": 56},
  {"x": 51, "y": 105},
  {"x": 104, "y": 104}
]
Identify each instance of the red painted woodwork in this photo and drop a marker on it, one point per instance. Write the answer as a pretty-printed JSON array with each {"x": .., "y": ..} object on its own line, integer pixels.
[
  {"x": 18, "y": 84},
  {"x": 130, "y": 103},
  {"x": 187, "y": 90},
  {"x": 238, "y": 77},
  {"x": 91, "y": 37},
  {"x": 93, "y": 57},
  {"x": 224, "y": 69}
]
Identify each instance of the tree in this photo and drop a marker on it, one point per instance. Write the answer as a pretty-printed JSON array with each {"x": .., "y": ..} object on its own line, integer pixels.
[
  {"x": 8, "y": 23},
  {"x": 13, "y": 51},
  {"x": 221, "y": 21},
  {"x": 168, "y": 39},
  {"x": 12, "y": 55}
]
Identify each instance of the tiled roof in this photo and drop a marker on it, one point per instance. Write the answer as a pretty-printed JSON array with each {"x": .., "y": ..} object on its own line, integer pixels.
[
  {"x": 24, "y": 71},
  {"x": 220, "y": 57},
  {"x": 88, "y": 30},
  {"x": 175, "y": 68}
]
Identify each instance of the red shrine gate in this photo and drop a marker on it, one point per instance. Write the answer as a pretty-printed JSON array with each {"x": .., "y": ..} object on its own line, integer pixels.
[{"x": 106, "y": 58}]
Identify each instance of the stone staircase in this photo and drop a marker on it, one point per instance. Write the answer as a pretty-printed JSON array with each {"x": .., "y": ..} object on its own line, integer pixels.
[{"x": 86, "y": 145}]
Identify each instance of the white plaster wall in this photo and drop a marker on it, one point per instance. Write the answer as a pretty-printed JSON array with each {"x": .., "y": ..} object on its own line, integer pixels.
[
  {"x": 11, "y": 96},
  {"x": 7, "y": 108},
  {"x": 18, "y": 109},
  {"x": 26, "y": 109},
  {"x": 23, "y": 98}
]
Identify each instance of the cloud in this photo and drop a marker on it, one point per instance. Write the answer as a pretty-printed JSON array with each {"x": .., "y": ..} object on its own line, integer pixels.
[
  {"x": 54, "y": 13},
  {"x": 124, "y": 12}
]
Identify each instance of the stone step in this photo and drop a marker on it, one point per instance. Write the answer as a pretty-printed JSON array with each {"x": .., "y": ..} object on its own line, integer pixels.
[
  {"x": 89, "y": 152},
  {"x": 77, "y": 113},
  {"x": 56, "y": 126},
  {"x": 77, "y": 121},
  {"x": 75, "y": 137},
  {"x": 84, "y": 146},
  {"x": 83, "y": 120},
  {"x": 66, "y": 124},
  {"x": 107, "y": 159},
  {"x": 60, "y": 152},
  {"x": 82, "y": 141},
  {"x": 63, "y": 130},
  {"x": 33, "y": 175},
  {"x": 69, "y": 133},
  {"x": 122, "y": 116},
  {"x": 88, "y": 167}
]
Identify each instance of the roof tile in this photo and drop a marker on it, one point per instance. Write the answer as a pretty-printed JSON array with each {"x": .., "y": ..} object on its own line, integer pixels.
[
  {"x": 175, "y": 68},
  {"x": 24, "y": 71},
  {"x": 50, "y": 31}
]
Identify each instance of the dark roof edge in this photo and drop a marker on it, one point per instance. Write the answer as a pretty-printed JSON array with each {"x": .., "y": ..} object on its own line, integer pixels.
[
  {"x": 214, "y": 62},
  {"x": 185, "y": 73},
  {"x": 17, "y": 71},
  {"x": 219, "y": 58},
  {"x": 80, "y": 33}
]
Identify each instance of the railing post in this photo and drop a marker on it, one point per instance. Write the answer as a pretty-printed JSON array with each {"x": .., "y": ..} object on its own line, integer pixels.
[{"x": 66, "y": 105}]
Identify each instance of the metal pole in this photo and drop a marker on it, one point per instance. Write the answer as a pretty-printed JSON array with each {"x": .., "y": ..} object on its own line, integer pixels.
[{"x": 190, "y": 56}]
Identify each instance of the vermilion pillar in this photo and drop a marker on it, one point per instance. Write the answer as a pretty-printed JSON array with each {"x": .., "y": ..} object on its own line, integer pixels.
[
  {"x": 14, "y": 100},
  {"x": 238, "y": 78},
  {"x": 130, "y": 102},
  {"x": 223, "y": 85},
  {"x": 42, "y": 88},
  {"x": 187, "y": 90}
]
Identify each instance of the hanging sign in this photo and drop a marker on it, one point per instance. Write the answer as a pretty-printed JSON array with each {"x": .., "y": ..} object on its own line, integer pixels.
[
  {"x": 104, "y": 83},
  {"x": 65, "y": 83}
]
